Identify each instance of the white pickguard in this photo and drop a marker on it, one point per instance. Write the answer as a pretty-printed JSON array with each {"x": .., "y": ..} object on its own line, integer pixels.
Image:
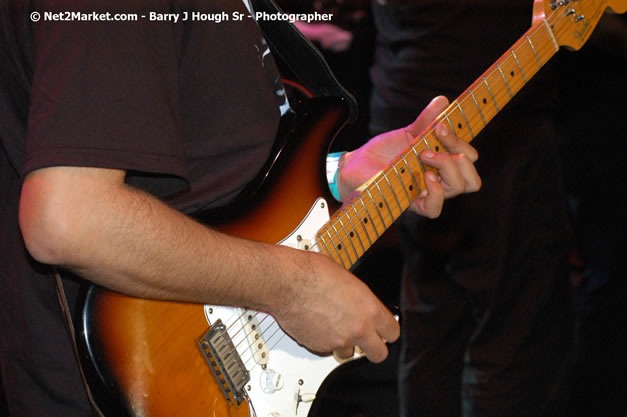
[{"x": 284, "y": 376}]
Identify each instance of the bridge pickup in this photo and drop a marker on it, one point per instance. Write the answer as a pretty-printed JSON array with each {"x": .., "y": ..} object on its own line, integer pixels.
[{"x": 225, "y": 362}]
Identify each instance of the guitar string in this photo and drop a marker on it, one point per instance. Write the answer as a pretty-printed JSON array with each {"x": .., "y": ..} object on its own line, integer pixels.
[
  {"x": 414, "y": 159},
  {"x": 525, "y": 54},
  {"x": 274, "y": 322},
  {"x": 524, "y": 57},
  {"x": 464, "y": 101}
]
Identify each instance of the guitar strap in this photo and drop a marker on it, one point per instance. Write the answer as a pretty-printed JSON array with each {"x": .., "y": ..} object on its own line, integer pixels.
[
  {"x": 69, "y": 324},
  {"x": 303, "y": 60}
]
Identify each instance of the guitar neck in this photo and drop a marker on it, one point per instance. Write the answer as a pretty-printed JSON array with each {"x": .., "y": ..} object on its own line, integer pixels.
[{"x": 359, "y": 223}]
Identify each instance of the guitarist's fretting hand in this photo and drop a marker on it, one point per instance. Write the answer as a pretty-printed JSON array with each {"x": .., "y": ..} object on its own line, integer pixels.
[
  {"x": 349, "y": 313},
  {"x": 457, "y": 172}
]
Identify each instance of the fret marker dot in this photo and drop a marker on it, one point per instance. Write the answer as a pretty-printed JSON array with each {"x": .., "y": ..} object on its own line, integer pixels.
[
  {"x": 380, "y": 205},
  {"x": 484, "y": 101},
  {"x": 365, "y": 220},
  {"x": 339, "y": 247},
  {"x": 411, "y": 187},
  {"x": 437, "y": 149},
  {"x": 511, "y": 73},
  {"x": 459, "y": 125}
]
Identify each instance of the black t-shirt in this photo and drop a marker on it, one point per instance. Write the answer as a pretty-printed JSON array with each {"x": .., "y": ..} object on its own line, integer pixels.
[
  {"x": 485, "y": 284},
  {"x": 188, "y": 108},
  {"x": 428, "y": 48},
  {"x": 496, "y": 240},
  {"x": 189, "y": 99}
]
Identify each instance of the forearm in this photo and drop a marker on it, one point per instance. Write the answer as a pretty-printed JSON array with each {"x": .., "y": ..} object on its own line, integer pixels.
[{"x": 127, "y": 240}]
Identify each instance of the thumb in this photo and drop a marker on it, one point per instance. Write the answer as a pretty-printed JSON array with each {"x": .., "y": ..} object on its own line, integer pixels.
[{"x": 433, "y": 110}]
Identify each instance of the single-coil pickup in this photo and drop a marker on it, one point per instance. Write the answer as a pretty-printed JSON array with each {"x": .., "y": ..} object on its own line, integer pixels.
[{"x": 254, "y": 336}]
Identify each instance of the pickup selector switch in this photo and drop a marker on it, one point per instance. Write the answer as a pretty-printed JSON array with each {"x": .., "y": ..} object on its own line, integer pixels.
[{"x": 271, "y": 381}]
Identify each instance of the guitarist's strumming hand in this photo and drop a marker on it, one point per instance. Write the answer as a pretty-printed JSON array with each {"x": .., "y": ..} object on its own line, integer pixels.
[
  {"x": 333, "y": 311},
  {"x": 456, "y": 169}
]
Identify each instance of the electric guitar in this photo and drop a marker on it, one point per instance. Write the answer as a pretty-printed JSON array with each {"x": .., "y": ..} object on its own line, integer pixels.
[{"x": 171, "y": 359}]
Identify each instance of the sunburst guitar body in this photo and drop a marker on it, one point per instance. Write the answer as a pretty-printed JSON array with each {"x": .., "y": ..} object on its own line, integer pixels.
[{"x": 150, "y": 358}]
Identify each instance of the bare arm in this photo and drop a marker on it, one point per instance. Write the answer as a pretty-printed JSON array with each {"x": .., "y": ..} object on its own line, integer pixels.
[{"x": 88, "y": 220}]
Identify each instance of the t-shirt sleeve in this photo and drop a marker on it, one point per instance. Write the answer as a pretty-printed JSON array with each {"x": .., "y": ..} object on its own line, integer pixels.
[{"x": 106, "y": 93}]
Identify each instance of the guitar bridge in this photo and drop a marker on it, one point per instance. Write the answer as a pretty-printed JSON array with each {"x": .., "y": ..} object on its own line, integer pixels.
[{"x": 225, "y": 362}]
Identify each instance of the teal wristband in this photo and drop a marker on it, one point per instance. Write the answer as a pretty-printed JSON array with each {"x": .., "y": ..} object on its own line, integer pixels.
[{"x": 333, "y": 159}]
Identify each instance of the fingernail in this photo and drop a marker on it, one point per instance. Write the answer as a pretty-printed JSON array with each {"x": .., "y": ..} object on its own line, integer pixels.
[
  {"x": 429, "y": 154},
  {"x": 443, "y": 131},
  {"x": 432, "y": 177}
]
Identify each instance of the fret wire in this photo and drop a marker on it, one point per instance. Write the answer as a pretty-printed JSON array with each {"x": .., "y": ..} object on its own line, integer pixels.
[
  {"x": 545, "y": 48},
  {"x": 501, "y": 91},
  {"x": 362, "y": 225},
  {"x": 469, "y": 92},
  {"x": 505, "y": 79},
  {"x": 488, "y": 111},
  {"x": 376, "y": 184},
  {"x": 534, "y": 52},
  {"x": 400, "y": 178},
  {"x": 466, "y": 120},
  {"x": 400, "y": 207},
  {"x": 336, "y": 249},
  {"x": 538, "y": 53},
  {"x": 491, "y": 95},
  {"x": 349, "y": 240},
  {"x": 472, "y": 95},
  {"x": 530, "y": 47},
  {"x": 425, "y": 141},
  {"x": 548, "y": 29},
  {"x": 519, "y": 67},
  {"x": 449, "y": 123},
  {"x": 468, "y": 100},
  {"x": 481, "y": 122},
  {"x": 321, "y": 239},
  {"x": 376, "y": 206},
  {"x": 533, "y": 55},
  {"x": 374, "y": 226},
  {"x": 410, "y": 172},
  {"x": 526, "y": 56},
  {"x": 516, "y": 82},
  {"x": 356, "y": 233},
  {"x": 518, "y": 46},
  {"x": 475, "y": 116},
  {"x": 413, "y": 148}
]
